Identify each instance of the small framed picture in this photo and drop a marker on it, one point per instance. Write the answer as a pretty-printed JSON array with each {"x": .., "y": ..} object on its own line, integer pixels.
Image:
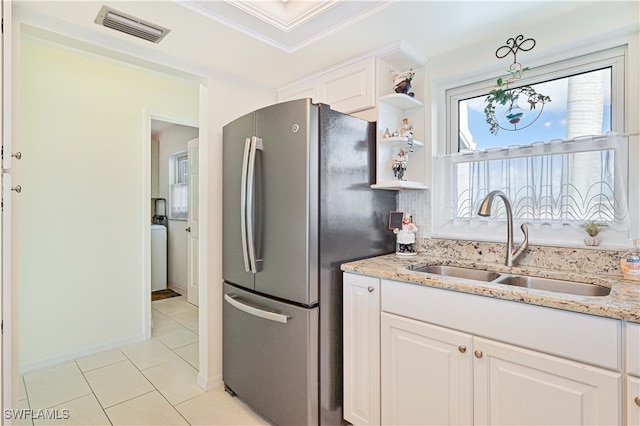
[{"x": 395, "y": 220}]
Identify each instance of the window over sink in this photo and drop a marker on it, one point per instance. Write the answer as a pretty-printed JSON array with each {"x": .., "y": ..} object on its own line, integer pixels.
[{"x": 568, "y": 166}]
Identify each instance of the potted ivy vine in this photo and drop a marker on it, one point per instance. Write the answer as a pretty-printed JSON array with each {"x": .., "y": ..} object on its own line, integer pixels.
[
  {"x": 593, "y": 228},
  {"x": 503, "y": 95}
]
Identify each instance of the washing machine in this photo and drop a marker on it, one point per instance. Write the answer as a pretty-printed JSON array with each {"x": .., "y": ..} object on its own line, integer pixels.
[{"x": 158, "y": 257}]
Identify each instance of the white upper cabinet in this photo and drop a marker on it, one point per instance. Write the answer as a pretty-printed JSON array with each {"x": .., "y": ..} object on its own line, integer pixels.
[
  {"x": 347, "y": 89},
  {"x": 368, "y": 84}
]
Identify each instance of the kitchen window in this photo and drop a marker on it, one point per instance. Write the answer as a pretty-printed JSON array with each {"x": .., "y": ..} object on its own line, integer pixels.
[
  {"x": 567, "y": 166},
  {"x": 179, "y": 189}
]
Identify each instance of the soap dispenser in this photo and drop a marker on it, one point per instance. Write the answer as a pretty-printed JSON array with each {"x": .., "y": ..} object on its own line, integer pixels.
[{"x": 630, "y": 262}]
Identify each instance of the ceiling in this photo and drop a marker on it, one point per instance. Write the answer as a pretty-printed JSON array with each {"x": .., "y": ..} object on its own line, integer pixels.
[{"x": 273, "y": 43}]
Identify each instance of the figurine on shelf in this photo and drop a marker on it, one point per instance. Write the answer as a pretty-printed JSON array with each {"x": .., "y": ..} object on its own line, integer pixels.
[
  {"x": 387, "y": 133},
  {"x": 407, "y": 129},
  {"x": 399, "y": 165},
  {"x": 406, "y": 237},
  {"x": 402, "y": 82}
]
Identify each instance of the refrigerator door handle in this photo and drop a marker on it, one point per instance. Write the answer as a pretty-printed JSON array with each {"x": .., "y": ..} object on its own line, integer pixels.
[
  {"x": 271, "y": 316},
  {"x": 256, "y": 144},
  {"x": 243, "y": 205}
]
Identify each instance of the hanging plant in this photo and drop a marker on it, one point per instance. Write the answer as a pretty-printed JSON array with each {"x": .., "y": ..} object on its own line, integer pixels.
[{"x": 503, "y": 95}]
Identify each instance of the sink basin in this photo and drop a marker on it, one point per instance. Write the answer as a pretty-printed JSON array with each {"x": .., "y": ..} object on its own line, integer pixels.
[
  {"x": 557, "y": 286},
  {"x": 455, "y": 271}
]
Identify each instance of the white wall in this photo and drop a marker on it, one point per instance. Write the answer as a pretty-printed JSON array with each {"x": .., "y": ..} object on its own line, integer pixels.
[
  {"x": 223, "y": 100},
  {"x": 80, "y": 223},
  {"x": 174, "y": 139}
]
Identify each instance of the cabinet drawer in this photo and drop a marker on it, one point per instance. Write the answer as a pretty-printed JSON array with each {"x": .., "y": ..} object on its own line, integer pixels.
[{"x": 582, "y": 337}]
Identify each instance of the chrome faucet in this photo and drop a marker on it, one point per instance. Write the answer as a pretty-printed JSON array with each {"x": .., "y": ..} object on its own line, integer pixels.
[{"x": 513, "y": 256}]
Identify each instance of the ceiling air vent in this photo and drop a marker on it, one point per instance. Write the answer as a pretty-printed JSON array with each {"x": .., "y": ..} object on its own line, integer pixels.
[{"x": 122, "y": 22}]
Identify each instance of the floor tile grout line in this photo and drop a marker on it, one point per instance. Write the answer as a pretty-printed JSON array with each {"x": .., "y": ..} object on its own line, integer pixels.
[
  {"x": 174, "y": 407},
  {"x": 105, "y": 365},
  {"x": 132, "y": 398},
  {"x": 93, "y": 392},
  {"x": 127, "y": 358}
]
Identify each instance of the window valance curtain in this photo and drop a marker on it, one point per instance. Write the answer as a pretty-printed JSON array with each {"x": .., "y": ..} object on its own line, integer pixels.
[
  {"x": 562, "y": 182},
  {"x": 179, "y": 200}
]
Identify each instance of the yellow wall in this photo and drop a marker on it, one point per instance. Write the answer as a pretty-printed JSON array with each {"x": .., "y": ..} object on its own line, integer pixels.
[{"x": 79, "y": 221}]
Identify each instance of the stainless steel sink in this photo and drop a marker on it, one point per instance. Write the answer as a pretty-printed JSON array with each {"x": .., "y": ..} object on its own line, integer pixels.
[
  {"x": 455, "y": 271},
  {"x": 547, "y": 284},
  {"x": 557, "y": 286}
]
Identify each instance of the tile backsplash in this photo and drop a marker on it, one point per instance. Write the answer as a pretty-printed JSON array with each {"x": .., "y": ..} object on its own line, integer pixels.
[{"x": 418, "y": 204}]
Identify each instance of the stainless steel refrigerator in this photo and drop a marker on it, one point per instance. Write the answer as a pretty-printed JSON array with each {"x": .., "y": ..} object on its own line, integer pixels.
[{"x": 297, "y": 203}]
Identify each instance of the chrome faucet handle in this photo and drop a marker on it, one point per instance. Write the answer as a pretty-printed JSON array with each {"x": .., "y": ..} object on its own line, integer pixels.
[{"x": 522, "y": 248}]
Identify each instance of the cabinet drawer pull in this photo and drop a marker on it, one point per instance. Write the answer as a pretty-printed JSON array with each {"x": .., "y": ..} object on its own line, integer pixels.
[
  {"x": 637, "y": 400},
  {"x": 370, "y": 288},
  {"x": 462, "y": 349},
  {"x": 478, "y": 354}
]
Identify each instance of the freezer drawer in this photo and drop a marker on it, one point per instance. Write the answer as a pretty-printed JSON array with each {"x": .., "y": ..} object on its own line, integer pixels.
[{"x": 270, "y": 356}]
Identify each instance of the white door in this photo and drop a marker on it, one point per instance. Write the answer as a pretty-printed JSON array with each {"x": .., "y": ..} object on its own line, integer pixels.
[
  {"x": 633, "y": 400},
  {"x": 192, "y": 224},
  {"x": 361, "y": 358},
  {"x": 519, "y": 386},
  {"x": 7, "y": 349},
  {"x": 426, "y": 373}
]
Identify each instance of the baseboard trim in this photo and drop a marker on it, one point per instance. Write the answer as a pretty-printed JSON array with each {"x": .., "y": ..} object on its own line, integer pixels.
[
  {"x": 177, "y": 288},
  {"x": 26, "y": 367},
  {"x": 210, "y": 383}
]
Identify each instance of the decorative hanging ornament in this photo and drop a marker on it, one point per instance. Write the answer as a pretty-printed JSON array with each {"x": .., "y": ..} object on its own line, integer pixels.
[{"x": 503, "y": 95}]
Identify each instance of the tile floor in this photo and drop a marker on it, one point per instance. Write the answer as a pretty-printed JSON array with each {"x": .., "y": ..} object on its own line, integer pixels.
[{"x": 148, "y": 383}]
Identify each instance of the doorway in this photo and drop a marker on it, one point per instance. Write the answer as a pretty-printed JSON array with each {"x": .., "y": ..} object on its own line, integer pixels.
[{"x": 174, "y": 203}]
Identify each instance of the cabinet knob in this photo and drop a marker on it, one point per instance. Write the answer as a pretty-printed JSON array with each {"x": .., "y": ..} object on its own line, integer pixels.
[
  {"x": 17, "y": 155},
  {"x": 462, "y": 349},
  {"x": 17, "y": 188},
  {"x": 478, "y": 354},
  {"x": 370, "y": 288},
  {"x": 637, "y": 400}
]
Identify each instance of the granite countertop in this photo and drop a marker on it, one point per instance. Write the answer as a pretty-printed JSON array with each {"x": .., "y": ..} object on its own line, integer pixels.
[{"x": 622, "y": 303}]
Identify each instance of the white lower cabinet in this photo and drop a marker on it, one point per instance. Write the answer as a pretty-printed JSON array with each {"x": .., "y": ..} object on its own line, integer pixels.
[
  {"x": 633, "y": 400},
  {"x": 633, "y": 373},
  {"x": 426, "y": 374},
  {"x": 416, "y": 355},
  {"x": 513, "y": 385},
  {"x": 361, "y": 349},
  {"x": 432, "y": 375}
]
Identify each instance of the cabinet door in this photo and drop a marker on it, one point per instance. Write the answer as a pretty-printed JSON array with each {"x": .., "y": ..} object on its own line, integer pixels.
[
  {"x": 350, "y": 88},
  {"x": 426, "y": 373},
  {"x": 518, "y": 386},
  {"x": 306, "y": 89},
  {"x": 361, "y": 321},
  {"x": 633, "y": 401}
]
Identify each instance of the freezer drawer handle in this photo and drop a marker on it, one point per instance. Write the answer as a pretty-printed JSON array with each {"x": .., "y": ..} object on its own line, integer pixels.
[{"x": 271, "y": 316}]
